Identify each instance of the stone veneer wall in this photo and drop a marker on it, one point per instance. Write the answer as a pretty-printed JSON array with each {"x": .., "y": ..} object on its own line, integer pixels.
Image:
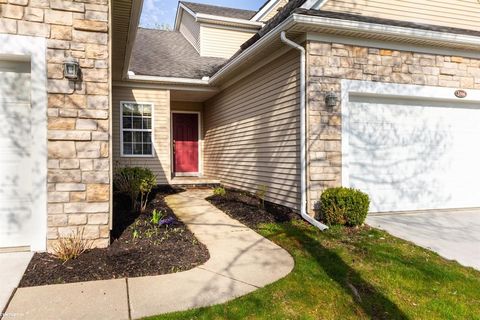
[
  {"x": 78, "y": 117},
  {"x": 329, "y": 63}
]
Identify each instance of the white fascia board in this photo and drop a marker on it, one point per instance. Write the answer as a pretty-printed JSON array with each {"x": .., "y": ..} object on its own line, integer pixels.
[
  {"x": 265, "y": 10},
  {"x": 348, "y": 25},
  {"x": 135, "y": 14},
  {"x": 167, "y": 80},
  {"x": 202, "y": 17},
  {"x": 313, "y": 4},
  {"x": 180, "y": 9},
  {"x": 389, "y": 30}
]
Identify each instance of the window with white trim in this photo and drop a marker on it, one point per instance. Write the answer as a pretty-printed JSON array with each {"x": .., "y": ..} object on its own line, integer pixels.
[{"x": 136, "y": 129}]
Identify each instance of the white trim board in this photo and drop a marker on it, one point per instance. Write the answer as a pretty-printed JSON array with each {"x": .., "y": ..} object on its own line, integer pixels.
[
  {"x": 391, "y": 90},
  {"x": 203, "y": 17},
  {"x": 33, "y": 49},
  {"x": 265, "y": 10}
]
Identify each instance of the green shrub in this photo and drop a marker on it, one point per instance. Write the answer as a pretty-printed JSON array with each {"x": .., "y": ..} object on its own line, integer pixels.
[
  {"x": 135, "y": 182},
  {"x": 219, "y": 191},
  {"x": 344, "y": 206}
]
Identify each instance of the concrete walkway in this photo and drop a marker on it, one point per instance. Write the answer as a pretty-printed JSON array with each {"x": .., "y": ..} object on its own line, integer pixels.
[
  {"x": 12, "y": 267},
  {"x": 453, "y": 234},
  {"x": 241, "y": 261}
]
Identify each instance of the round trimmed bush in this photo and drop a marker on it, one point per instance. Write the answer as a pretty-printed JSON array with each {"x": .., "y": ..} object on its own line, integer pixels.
[{"x": 345, "y": 206}]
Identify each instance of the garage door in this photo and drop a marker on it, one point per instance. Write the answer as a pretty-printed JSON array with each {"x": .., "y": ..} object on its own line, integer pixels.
[
  {"x": 413, "y": 154},
  {"x": 15, "y": 164}
]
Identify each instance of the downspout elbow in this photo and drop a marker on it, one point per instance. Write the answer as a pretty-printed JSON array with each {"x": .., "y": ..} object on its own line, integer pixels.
[{"x": 303, "y": 133}]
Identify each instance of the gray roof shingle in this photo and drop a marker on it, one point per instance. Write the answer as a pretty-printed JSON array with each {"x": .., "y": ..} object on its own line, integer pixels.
[
  {"x": 219, "y": 11},
  {"x": 168, "y": 54}
]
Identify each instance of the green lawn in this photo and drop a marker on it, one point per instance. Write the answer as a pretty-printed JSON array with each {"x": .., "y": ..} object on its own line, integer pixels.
[{"x": 354, "y": 274}]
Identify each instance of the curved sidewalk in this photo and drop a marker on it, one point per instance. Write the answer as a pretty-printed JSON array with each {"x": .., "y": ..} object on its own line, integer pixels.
[{"x": 240, "y": 262}]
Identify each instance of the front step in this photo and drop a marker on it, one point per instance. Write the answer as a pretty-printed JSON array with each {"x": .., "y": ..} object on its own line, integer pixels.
[{"x": 194, "y": 182}]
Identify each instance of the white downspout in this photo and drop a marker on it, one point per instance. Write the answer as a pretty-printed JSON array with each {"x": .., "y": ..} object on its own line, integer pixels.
[{"x": 303, "y": 134}]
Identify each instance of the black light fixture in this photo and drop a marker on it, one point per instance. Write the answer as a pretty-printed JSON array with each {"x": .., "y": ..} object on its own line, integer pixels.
[
  {"x": 331, "y": 99},
  {"x": 71, "y": 69}
]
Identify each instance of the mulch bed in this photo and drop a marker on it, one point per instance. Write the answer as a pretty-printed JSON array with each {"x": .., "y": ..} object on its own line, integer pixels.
[
  {"x": 156, "y": 250},
  {"x": 250, "y": 210}
]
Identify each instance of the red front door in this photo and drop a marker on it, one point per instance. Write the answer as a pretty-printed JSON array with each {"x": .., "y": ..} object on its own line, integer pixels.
[{"x": 185, "y": 142}]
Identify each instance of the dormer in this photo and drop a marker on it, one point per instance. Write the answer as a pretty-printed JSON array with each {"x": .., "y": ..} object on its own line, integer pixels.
[{"x": 215, "y": 31}]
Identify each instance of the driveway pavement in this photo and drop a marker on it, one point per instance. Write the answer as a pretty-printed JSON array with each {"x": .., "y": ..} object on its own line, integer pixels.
[
  {"x": 453, "y": 234},
  {"x": 12, "y": 267}
]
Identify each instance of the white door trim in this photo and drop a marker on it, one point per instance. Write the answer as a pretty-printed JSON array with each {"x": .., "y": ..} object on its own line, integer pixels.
[
  {"x": 200, "y": 139},
  {"x": 33, "y": 49}
]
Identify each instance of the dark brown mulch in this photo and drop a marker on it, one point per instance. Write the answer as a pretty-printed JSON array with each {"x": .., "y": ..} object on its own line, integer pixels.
[
  {"x": 157, "y": 250},
  {"x": 249, "y": 210}
]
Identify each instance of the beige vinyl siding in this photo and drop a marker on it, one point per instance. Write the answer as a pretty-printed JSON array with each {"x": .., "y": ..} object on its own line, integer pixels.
[
  {"x": 252, "y": 132},
  {"x": 160, "y": 162},
  {"x": 274, "y": 10},
  {"x": 190, "y": 29},
  {"x": 186, "y": 106},
  {"x": 451, "y": 13},
  {"x": 222, "y": 42}
]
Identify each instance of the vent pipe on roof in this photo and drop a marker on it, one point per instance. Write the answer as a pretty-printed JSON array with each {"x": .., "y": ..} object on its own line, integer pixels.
[{"x": 303, "y": 133}]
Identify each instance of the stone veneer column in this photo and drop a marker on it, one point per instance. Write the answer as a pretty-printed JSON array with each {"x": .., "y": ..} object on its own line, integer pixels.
[
  {"x": 329, "y": 63},
  {"x": 78, "y": 113}
]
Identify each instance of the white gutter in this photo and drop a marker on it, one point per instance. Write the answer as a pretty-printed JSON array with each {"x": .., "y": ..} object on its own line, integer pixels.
[
  {"x": 333, "y": 24},
  {"x": 387, "y": 30},
  {"x": 170, "y": 80},
  {"x": 303, "y": 133}
]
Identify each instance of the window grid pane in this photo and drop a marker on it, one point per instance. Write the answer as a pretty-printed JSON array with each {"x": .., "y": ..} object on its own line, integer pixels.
[{"x": 137, "y": 129}]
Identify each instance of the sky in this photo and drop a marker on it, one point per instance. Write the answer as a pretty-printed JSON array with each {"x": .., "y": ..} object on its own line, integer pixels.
[{"x": 157, "y": 13}]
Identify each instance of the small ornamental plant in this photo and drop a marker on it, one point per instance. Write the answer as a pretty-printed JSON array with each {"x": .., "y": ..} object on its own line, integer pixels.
[
  {"x": 220, "y": 192},
  {"x": 71, "y": 246},
  {"x": 156, "y": 216},
  {"x": 167, "y": 221},
  {"x": 344, "y": 206}
]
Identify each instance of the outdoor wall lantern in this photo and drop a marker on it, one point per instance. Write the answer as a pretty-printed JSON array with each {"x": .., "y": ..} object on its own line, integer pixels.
[
  {"x": 71, "y": 69},
  {"x": 331, "y": 99}
]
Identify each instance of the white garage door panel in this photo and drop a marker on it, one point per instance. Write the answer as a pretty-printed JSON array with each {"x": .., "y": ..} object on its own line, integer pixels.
[
  {"x": 15, "y": 155},
  {"x": 414, "y": 157}
]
